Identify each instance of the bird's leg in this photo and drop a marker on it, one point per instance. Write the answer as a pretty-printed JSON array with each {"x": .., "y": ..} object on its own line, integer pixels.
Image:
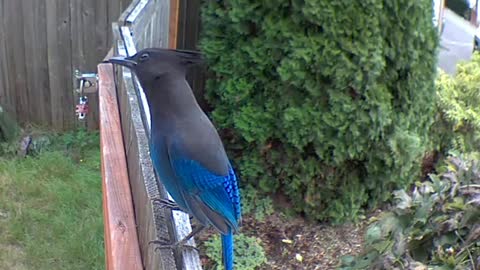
[
  {"x": 166, "y": 203},
  {"x": 179, "y": 244}
]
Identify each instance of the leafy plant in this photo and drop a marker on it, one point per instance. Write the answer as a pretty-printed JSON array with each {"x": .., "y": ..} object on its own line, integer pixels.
[
  {"x": 458, "y": 121},
  {"x": 254, "y": 203},
  {"x": 249, "y": 254},
  {"x": 436, "y": 226},
  {"x": 8, "y": 148},
  {"x": 79, "y": 139},
  {"x": 327, "y": 102},
  {"x": 8, "y": 127}
]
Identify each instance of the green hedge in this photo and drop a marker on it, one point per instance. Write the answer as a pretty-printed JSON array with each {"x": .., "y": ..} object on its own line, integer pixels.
[
  {"x": 326, "y": 102},
  {"x": 434, "y": 224},
  {"x": 458, "y": 120}
]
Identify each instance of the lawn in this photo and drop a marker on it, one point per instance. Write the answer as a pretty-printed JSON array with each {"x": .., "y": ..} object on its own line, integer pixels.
[{"x": 51, "y": 206}]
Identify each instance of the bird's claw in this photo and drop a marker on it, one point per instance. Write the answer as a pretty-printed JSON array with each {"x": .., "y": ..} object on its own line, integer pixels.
[
  {"x": 165, "y": 203},
  {"x": 162, "y": 245}
]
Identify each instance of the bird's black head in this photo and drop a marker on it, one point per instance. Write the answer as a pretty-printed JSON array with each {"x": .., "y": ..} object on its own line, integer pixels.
[{"x": 153, "y": 63}]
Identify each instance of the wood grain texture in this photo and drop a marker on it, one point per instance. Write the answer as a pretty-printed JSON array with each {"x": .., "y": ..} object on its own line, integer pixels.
[
  {"x": 41, "y": 86},
  {"x": 28, "y": 14},
  {"x": 161, "y": 36},
  {"x": 188, "y": 36},
  {"x": 173, "y": 24},
  {"x": 16, "y": 65},
  {"x": 7, "y": 97},
  {"x": 41, "y": 43},
  {"x": 153, "y": 222},
  {"x": 121, "y": 241},
  {"x": 140, "y": 29},
  {"x": 189, "y": 258},
  {"x": 59, "y": 62},
  {"x": 126, "y": 12}
]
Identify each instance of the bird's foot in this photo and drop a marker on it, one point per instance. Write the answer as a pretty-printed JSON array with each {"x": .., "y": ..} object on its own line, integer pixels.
[
  {"x": 178, "y": 245},
  {"x": 182, "y": 244},
  {"x": 166, "y": 203}
]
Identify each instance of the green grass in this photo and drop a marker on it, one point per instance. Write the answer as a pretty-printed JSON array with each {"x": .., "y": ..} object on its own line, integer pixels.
[{"x": 51, "y": 207}]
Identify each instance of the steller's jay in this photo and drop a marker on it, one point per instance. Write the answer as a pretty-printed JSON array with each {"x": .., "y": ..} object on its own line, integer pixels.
[{"x": 185, "y": 148}]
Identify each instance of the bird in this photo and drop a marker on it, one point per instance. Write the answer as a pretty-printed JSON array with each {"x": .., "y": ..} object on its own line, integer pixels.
[{"x": 185, "y": 147}]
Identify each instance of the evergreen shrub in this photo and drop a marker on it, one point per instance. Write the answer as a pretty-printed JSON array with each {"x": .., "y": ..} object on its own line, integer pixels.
[{"x": 326, "y": 102}]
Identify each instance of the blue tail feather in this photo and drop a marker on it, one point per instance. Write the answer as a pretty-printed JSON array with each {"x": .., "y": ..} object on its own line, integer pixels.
[{"x": 227, "y": 251}]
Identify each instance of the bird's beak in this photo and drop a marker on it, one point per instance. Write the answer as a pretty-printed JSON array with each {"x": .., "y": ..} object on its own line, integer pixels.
[{"x": 123, "y": 61}]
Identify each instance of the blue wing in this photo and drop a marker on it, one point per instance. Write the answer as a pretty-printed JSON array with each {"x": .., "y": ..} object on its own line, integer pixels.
[{"x": 211, "y": 198}]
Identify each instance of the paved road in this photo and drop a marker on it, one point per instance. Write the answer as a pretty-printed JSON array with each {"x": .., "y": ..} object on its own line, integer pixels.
[{"x": 456, "y": 43}]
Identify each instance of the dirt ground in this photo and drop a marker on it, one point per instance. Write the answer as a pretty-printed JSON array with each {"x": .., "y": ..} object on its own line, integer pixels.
[{"x": 298, "y": 244}]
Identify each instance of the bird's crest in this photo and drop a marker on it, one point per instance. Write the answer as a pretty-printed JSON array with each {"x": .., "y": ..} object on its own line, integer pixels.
[{"x": 189, "y": 57}]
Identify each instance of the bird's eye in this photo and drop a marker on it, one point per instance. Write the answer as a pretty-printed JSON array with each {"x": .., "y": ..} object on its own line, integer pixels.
[{"x": 144, "y": 57}]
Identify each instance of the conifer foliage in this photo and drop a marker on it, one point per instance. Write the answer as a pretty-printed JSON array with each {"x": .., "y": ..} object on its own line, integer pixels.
[{"x": 327, "y": 102}]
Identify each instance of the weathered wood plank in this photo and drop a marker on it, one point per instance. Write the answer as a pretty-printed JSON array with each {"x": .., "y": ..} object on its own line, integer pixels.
[
  {"x": 139, "y": 23},
  {"x": 173, "y": 23},
  {"x": 114, "y": 10},
  {"x": 16, "y": 58},
  {"x": 85, "y": 55},
  {"x": 163, "y": 19},
  {"x": 77, "y": 33},
  {"x": 121, "y": 241},
  {"x": 188, "y": 259},
  {"x": 189, "y": 30},
  {"x": 59, "y": 63},
  {"x": 28, "y": 15},
  {"x": 181, "y": 221},
  {"x": 102, "y": 26},
  {"x": 7, "y": 96},
  {"x": 122, "y": 20},
  {"x": 34, "y": 95},
  {"x": 91, "y": 39},
  {"x": 153, "y": 222},
  {"x": 191, "y": 259},
  {"x": 77, "y": 46},
  {"x": 140, "y": 7},
  {"x": 41, "y": 85}
]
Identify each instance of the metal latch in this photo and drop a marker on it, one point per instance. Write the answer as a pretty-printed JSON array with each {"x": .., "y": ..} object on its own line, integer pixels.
[{"x": 83, "y": 84}]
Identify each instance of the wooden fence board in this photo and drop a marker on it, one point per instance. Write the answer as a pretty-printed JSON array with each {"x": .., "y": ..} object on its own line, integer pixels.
[
  {"x": 149, "y": 30},
  {"x": 173, "y": 24},
  {"x": 160, "y": 38},
  {"x": 153, "y": 221},
  {"x": 41, "y": 85},
  {"x": 42, "y": 42},
  {"x": 114, "y": 9},
  {"x": 16, "y": 57},
  {"x": 5, "y": 94},
  {"x": 121, "y": 239},
  {"x": 59, "y": 62},
  {"x": 69, "y": 35},
  {"x": 36, "y": 61},
  {"x": 87, "y": 34},
  {"x": 189, "y": 24},
  {"x": 29, "y": 24}
]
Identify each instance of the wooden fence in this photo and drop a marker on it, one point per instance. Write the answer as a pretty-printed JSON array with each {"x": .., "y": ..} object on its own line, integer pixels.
[
  {"x": 42, "y": 42},
  {"x": 147, "y": 23}
]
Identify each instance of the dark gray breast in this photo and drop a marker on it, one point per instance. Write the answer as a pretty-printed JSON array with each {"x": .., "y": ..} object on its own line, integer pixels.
[{"x": 202, "y": 143}]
